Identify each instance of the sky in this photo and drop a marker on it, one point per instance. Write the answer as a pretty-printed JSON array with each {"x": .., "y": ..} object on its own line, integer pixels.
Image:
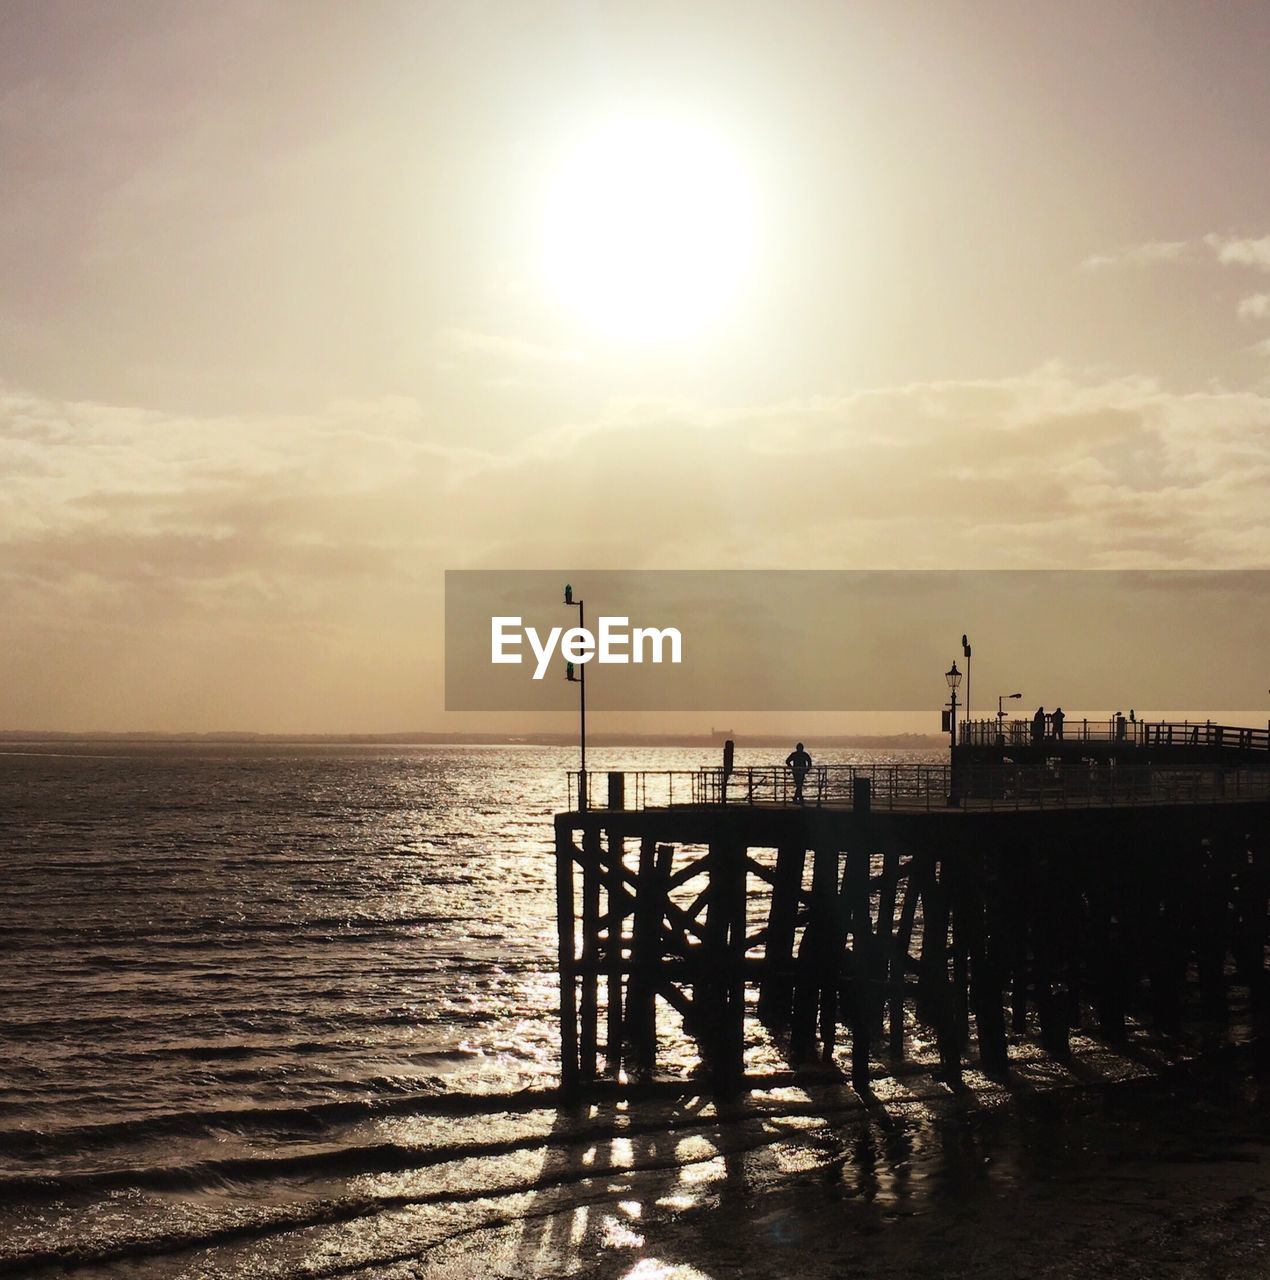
[{"x": 305, "y": 303}]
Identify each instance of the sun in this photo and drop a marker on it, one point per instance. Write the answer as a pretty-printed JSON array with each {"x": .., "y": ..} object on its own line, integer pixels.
[{"x": 648, "y": 229}]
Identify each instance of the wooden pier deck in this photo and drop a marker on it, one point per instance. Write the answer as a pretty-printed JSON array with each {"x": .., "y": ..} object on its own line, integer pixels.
[{"x": 1044, "y": 898}]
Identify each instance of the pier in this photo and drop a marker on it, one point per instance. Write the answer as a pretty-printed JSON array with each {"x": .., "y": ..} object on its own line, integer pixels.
[{"x": 1025, "y": 888}]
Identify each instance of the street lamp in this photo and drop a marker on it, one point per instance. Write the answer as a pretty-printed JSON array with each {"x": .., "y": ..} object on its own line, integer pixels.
[
  {"x": 579, "y": 678},
  {"x": 1001, "y": 697},
  {"x": 965, "y": 649},
  {"x": 953, "y": 676}
]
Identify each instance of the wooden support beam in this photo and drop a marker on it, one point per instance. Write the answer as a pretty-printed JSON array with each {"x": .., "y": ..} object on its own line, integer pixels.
[
  {"x": 1109, "y": 957},
  {"x": 933, "y": 951},
  {"x": 675, "y": 914},
  {"x": 828, "y": 952},
  {"x": 935, "y": 923},
  {"x": 731, "y": 1060},
  {"x": 1169, "y": 945},
  {"x": 1049, "y": 922},
  {"x": 979, "y": 911},
  {"x": 1254, "y": 894},
  {"x": 1018, "y": 881},
  {"x": 960, "y": 977},
  {"x": 816, "y": 971},
  {"x": 588, "y": 1047},
  {"x": 566, "y": 961},
  {"x": 777, "y": 992},
  {"x": 697, "y": 867},
  {"x": 646, "y": 953},
  {"x": 1211, "y": 907},
  {"x": 709, "y": 995},
  {"x": 863, "y": 980},
  {"x": 720, "y": 989},
  {"x": 620, "y": 903},
  {"x": 899, "y": 962},
  {"x": 887, "y": 888}
]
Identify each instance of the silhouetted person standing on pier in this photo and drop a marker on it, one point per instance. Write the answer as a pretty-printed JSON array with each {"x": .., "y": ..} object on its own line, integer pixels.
[
  {"x": 799, "y": 762},
  {"x": 1038, "y": 727},
  {"x": 1056, "y": 720}
]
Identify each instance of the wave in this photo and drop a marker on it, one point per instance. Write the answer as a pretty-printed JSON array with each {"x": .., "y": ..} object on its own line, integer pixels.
[
  {"x": 310, "y": 1117},
  {"x": 316, "y": 1118},
  {"x": 247, "y": 1020},
  {"x": 53, "y": 935},
  {"x": 346, "y": 1162}
]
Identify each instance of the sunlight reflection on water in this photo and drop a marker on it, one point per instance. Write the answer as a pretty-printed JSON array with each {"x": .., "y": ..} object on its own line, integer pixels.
[
  {"x": 652, "y": 1269},
  {"x": 259, "y": 969}
]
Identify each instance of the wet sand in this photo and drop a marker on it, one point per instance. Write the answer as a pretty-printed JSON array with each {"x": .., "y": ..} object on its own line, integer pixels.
[
  {"x": 1064, "y": 1172},
  {"x": 1138, "y": 1165},
  {"x": 1145, "y": 1179}
]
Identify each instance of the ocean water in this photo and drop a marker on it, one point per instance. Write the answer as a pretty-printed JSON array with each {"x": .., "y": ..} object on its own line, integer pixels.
[{"x": 291, "y": 1012}]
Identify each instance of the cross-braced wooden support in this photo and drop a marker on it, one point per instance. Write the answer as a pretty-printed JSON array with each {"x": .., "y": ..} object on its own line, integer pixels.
[{"x": 868, "y": 925}]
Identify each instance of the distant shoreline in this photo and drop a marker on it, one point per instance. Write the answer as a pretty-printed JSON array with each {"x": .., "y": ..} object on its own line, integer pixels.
[{"x": 899, "y": 741}]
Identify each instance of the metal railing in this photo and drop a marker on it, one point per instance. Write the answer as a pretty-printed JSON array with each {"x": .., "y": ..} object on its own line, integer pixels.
[
  {"x": 1132, "y": 733},
  {"x": 914, "y": 787}
]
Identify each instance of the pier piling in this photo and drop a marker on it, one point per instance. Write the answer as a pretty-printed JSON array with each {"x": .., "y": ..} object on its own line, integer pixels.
[{"x": 854, "y": 922}]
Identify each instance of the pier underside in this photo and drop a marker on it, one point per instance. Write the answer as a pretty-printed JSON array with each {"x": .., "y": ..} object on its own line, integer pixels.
[{"x": 852, "y": 924}]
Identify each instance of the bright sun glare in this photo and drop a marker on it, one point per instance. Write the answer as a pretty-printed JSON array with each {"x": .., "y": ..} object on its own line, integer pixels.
[{"x": 649, "y": 229}]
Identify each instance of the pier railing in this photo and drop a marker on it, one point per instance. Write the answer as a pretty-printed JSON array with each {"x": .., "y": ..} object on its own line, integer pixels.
[
  {"x": 1131, "y": 733},
  {"x": 927, "y": 786}
]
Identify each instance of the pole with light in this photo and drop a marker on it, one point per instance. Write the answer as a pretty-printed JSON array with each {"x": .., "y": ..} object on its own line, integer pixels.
[
  {"x": 1001, "y": 697},
  {"x": 965, "y": 649},
  {"x": 953, "y": 676},
  {"x": 579, "y": 678}
]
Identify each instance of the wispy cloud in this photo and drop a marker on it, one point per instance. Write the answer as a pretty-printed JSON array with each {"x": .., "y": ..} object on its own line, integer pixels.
[
  {"x": 1249, "y": 252},
  {"x": 258, "y": 562},
  {"x": 1241, "y": 251},
  {"x": 1138, "y": 255},
  {"x": 1255, "y": 307},
  {"x": 1244, "y": 251}
]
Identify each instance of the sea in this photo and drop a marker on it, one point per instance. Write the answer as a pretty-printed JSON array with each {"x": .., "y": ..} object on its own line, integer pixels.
[{"x": 290, "y": 1011}]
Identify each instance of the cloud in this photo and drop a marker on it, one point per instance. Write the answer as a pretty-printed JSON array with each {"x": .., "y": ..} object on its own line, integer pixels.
[
  {"x": 1236, "y": 251},
  {"x": 285, "y": 571},
  {"x": 1241, "y": 251},
  {"x": 1245, "y": 251},
  {"x": 1050, "y": 468},
  {"x": 1139, "y": 255},
  {"x": 106, "y": 493}
]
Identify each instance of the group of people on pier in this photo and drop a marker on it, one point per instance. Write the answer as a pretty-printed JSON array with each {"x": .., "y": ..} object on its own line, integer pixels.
[
  {"x": 1053, "y": 721},
  {"x": 1046, "y": 727},
  {"x": 1049, "y": 727}
]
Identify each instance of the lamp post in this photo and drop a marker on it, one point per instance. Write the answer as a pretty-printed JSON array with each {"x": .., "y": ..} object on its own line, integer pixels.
[
  {"x": 953, "y": 676},
  {"x": 965, "y": 649},
  {"x": 579, "y": 678},
  {"x": 1000, "y": 714}
]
